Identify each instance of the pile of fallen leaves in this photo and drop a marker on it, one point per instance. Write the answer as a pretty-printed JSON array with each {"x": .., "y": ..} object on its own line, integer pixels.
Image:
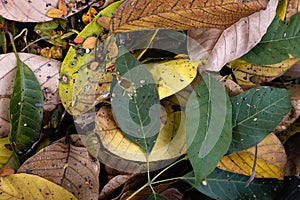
[{"x": 143, "y": 99}]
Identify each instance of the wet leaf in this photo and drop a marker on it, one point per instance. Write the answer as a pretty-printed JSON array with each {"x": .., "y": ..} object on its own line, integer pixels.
[
  {"x": 221, "y": 46},
  {"x": 208, "y": 125},
  {"x": 67, "y": 165},
  {"x": 172, "y": 76},
  {"x": 27, "y": 186},
  {"x": 227, "y": 186},
  {"x": 5, "y": 153},
  {"x": 249, "y": 75},
  {"x": 256, "y": 113},
  {"x": 33, "y": 10},
  {"x": 45, "y": 70},
  {"x": 181, "y": 15},
  {"x": 278, "y": 43},
  {"x": 270, "y": 160}
]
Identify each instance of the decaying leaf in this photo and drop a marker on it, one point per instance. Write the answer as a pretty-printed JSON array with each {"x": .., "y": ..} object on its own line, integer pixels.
[
  {"x": 67, "y": 165},
  {"x": 293, "y": 156},
  {"x": 110, "y": 188},
  {"x": 46, "y": 71},
  {"x": 248, "y": 75},
  {"x": 33, "y": 10},
  {"x": 219, "y": 47},
  {"x": 181, "y": 15},
  {"x": 270, "y": 160},
  {"x": 27, "y": 186}
]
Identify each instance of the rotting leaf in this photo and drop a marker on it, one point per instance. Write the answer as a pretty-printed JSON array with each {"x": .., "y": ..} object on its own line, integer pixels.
[
  {"x": 68, "y": 165},
  {"x": 271, "y": 160},
  {"x": 256, "y": 113},
  {"x": 26, "y": 186},
  {"x": 221, "y": 46},
  {"x": 208, "y": 125},
  {"x": 181, "y": 15}
]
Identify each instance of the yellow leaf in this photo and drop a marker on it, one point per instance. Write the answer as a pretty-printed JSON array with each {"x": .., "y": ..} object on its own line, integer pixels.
[
  {"x": 247, "y": 74},
  {"x": 172, "y": 76},
  {"x": 270, "y": 162},
  {"x": 55, "y": 13},
  {"x": 5, "y": 154},
  {"x": 27, "y": 186},
  {"x": 182, "y": 15},
  {"x": 281, "y": 8}
]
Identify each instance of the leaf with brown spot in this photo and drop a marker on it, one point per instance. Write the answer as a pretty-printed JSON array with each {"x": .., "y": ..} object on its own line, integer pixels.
[
  {"x": 68, "y": 165},
  {"x": 270, "y": 161},
  {"x": 182, "y": 15}
]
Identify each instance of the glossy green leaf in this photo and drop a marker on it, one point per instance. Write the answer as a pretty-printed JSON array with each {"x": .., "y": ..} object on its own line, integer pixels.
[
  {"x": 276, "y": 45},
  {"x": 135, "y": 101},
  {"x": 208, "y": 125},
  {"x": 255, "y": 113},
  {"x": 26, "y": 109},
  {"x": 225, "y": 185}
]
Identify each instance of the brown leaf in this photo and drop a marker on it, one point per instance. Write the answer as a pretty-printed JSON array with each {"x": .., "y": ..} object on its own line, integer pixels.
[
  {"x": 90, "y": 43},
  {"x": 182, "y": 15},
  {"x": 110, "y": 188},
  {"x": 63, "y": 7},
  {"x": 47, "y": 72},
  {"x": 68, "y": 165},
  {"x": 172, "y": 193},
  {"x": 221, "y": 46},
  {"x": 292, "y": 148},
  {"x": 6, "y": 172}
]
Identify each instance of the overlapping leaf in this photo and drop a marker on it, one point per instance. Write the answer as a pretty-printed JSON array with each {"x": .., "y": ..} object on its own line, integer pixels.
[
  {"x": 27, "y": 186},
  {"x": 255, "y": 113},
  {"x": 227, "y": 186},
  {"x": 221, "y": 46},
  {"x": 208, "y": 126},
  {"x": 270, "y": 160},
  {"x": 68, "y": 165},
  {"x": 278, "y": 43},
  {"x": 181, "y": 15}
]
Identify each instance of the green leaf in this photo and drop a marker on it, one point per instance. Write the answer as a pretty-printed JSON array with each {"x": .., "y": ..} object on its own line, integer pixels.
[
  {"x": 208, "y": 125},
  {"x": 276, "y": 45},
  {"x": 225, "y": 185},
  {"x": 135, "y": 101},
  {"x": 26, "y": 109},
  {"x": 255, "y": 113}
]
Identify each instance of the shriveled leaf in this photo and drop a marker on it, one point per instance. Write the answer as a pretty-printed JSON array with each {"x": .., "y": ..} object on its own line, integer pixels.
[
  {"x": 249, "y": 75},
  {"x": 270, "y": 160},
  {"x": 221, "y": 46},
  {"x": 46, "y": 71},
  {"x": 5, "y": 153},
  {"x": 135, "y": 101},
  {"x": 256, "y": 113},
  {"x": 115, "y": 183},
  {"x": 181, "y": 15},
  {"x": 278, "y": 43},
  {"x": 33, "y": 10},
  {"x": 208, "y": 125},
  {"x": 27, "y": 186},
  {"x": 172, "y": 76},
  {"x": 67, "y": 165},
  {"x": 227, "y": 186},
  {"x": 293, "y": 155}
]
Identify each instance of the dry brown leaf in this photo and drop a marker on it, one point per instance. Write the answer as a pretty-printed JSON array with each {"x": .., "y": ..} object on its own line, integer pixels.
[
  {"x": 293, "y": 72},
  {"x": 90, "y": 43},
  {"x": 219, "y": 47},
  {"x": 104, "y": 21},
  {"x": 292, "y": 148},
  {"x": 6, "y": 172},
  {"x": 172, "y": 193},
  {"x": 68, "y": 165},
  {"x": 182, "y": 15},
  {"x": 110, "y": 188},
  {"x": 31, "y": 11},
  {"x": 47, "y": 72},
  {"x": 63, "y": 7},
  {"x": 270, "y": 161}
]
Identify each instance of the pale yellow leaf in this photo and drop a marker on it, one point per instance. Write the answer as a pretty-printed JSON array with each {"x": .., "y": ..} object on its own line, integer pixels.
[
  {"x": 270, "y": 162},
  {"x": 55, "y": 13},
  {"x": 28, "y": 186},
  {"x": 46, "y": 70},
  {"x": 221, "y": 46}
]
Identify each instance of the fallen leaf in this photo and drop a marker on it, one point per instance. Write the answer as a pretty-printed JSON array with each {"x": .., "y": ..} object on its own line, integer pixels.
[
  {"x": 172, "y": 193},
  {"x": 221, "y": 46},
  {"x": 6, "y": 172},
  {"x": 55, "y": 13},
  {"x": 79, "y": 40},
  {"x": 63, "y": 7},
  {"x": 293, "y": 155},
  {"x": 110, "y": 188},
  {"x": 27, "y": 186},
  {"x": 68, "y": 165},
  {"x": 90, "y": 43},
  {"x": 104, "y": 21},
  {"x": 249, "y": 75},
  {"x": 270, "y": 160},
  {"x": 5, "y": 153},
  {"x": 181, "y": 15},
  {"x": 46, "y": 71},
  {"x": 231, "y": 87}
]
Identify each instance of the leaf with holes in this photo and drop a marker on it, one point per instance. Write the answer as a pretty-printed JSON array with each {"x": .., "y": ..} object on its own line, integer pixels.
[
  {"x": 208, "y": 125},
  {"x": 135, "y": 101},
  {"x": 255, "y": 113}
]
